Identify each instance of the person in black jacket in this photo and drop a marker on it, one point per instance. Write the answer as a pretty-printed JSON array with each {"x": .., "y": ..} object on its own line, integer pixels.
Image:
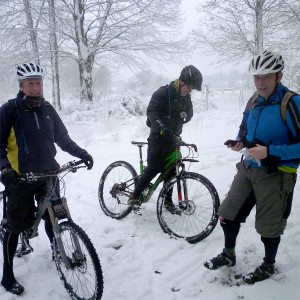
[
  {"x": 29, "y": 129},
  {"x": 170, "y": 107}
]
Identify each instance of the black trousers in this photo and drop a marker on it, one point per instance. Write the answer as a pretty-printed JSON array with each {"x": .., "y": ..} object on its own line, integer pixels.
[
  {"x": 158, "y": 148},
  {"x": 20, "y": 211}
]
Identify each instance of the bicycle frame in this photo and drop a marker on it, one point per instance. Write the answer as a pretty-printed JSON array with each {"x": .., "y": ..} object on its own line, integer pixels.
[
  {"x": 174, "y": 158},
  {"x": 58, "y": 209}
]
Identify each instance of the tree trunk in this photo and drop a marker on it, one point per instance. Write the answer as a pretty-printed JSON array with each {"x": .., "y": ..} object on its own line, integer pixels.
[
  {"x": 86, "y": 79},
  {"x": 54, "y": 56},
  {"x": 86, "y": 60},
  {"x": 32, "y": 30},
  {"x": 259, "y": 26}
]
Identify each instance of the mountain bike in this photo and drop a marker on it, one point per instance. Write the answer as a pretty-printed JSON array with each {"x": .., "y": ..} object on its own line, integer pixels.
[
  {"x": 194, "y": 199},
  {"x": 74, "y": 255}
]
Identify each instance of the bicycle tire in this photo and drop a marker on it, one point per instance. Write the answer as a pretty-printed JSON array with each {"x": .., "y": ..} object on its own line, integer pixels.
[
  {"x": 113, "y": 202},
  {"x": 196, "y": 222},
  {"x": 84, "y": 280}
]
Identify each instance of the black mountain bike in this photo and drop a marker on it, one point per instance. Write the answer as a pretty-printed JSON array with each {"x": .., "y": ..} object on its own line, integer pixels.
[
  {"x": 74, "y": 255},
  {"x": 194, "y": 199}
]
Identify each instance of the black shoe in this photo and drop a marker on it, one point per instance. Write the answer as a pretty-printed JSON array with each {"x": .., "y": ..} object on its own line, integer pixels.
[
  {"x": 134, "y": 202},
  {"x": 219, "y": 261},
  {"x": 2, "y": 233},
  {"x": 263, "y": 272},
  {"x": 13, "y": 286},
  {"x": 174, "y": 210},
  {"x": 23, "y": 251}
]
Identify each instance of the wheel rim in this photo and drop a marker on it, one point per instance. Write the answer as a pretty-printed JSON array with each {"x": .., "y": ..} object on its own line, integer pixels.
[
  {"x": 112, "y": 194},
  {"x": 198, "y": 217},
  {"x": 81, "y": 279}
]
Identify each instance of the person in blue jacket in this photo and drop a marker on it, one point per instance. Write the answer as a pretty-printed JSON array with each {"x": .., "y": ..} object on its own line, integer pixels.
[
  {"x": 29, "y": 129},
  {"x": 267, "y": 175}
]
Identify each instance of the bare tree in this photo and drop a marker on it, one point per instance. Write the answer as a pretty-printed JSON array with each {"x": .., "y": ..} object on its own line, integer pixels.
[
  {"x": 32, "y": 29},
  {"x": 238, "y": 28},
  {"x": 54, "y": 55},
  {"x": 128, "y": 31},
  {"x": 26, "y": 33}
]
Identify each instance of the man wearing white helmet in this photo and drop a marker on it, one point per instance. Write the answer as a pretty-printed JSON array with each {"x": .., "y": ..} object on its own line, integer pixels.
[
  {"x": 267, "y": 174},
  {"x": 29, "y": 129}
]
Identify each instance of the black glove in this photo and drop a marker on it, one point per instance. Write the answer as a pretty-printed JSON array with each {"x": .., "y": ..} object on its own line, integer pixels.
[
  {"x": 270, "y": 163},
  {"x": 9, "y": 177},
  {"x": 88, "y": 160},
  {"x": 166, "y": 132},
  {"x": 194, "y": 147}
]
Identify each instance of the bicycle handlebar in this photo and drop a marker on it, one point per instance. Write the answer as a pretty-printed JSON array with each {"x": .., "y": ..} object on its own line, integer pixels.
[
  {"x": 179, "y": 141},
  {"x": 71, "y": 166}
]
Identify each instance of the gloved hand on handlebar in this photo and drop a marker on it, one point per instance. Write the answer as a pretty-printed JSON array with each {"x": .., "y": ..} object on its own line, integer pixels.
[
  {"x": 195, "y": 147},
  {"x": 9, "y": 177},
  {"x": 88, "y": 160},
  {"x": 166, "y": 132}
]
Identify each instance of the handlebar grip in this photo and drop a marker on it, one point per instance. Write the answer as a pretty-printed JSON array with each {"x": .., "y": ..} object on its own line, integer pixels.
[{"x": 76, "y": 163}]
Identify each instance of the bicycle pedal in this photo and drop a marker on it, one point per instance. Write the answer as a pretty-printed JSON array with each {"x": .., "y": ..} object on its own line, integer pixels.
[
  {"x": 23, "y": 252},
  {"x": 137, "y": 210},
  {"x": 2, "y": 233}
]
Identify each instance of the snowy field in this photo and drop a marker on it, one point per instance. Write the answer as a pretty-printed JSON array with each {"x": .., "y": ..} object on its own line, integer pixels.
[{"x": 148, "y": 264}]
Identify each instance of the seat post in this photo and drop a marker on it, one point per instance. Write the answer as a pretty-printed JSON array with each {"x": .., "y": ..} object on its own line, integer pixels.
[{"x": 141, "y": 154}]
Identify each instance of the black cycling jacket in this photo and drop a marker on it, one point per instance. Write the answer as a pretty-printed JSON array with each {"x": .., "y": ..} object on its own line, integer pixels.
[
  {"x": 35, "y": 132},
  {"x": 170, "y": 108}
]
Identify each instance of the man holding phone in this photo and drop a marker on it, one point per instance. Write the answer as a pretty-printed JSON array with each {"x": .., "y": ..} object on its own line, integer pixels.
[{"x": 267, "y": 175}]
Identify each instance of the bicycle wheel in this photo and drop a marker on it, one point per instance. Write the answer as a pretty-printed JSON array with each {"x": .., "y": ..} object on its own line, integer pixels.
[
  {"x": 83, "y": 278},
  {"x": 196, "y": 217},
  {"x": 116, "y": 185}
]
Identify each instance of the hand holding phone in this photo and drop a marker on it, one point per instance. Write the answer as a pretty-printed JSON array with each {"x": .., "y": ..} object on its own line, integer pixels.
[{"x": 230, "y": 143}]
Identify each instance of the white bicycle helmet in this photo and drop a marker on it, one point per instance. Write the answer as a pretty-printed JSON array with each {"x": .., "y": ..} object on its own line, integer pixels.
[
  {"x": 266, "y": 62},
  {"x": 29, "y": 70}
]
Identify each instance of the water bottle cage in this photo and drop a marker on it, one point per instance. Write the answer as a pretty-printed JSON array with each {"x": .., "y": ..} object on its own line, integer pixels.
[{"x": 59, "y": 210}]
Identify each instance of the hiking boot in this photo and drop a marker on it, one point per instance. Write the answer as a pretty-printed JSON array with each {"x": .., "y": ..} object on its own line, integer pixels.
[
  {"x": 174, "y": 210},
  {"x": 13, "y": 286},
  {"x": 219, "y": 261},
  {"x": 263, "y": 272},
  {"x": 134, "y": 202}
]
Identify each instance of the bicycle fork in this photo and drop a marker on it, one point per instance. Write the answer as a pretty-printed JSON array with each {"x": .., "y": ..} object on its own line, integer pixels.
[
  {"x": 182, "y": 195},
  {"x": 55, "y": 217}
]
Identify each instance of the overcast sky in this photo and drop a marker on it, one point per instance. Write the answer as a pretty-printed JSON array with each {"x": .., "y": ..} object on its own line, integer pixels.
[{"x": 204, "y": 63}]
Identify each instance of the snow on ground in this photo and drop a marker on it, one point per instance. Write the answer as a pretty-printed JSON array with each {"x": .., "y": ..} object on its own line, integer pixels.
[{"x": 148, "y": 264}]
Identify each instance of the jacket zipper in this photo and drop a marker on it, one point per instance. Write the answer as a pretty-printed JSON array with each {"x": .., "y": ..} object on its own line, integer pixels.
[{"x": 36, "y": 120}]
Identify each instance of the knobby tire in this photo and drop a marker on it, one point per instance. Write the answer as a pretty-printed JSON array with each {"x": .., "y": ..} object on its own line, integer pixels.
[
  {"x": 199, "y": 218},
  {"x": 84, "y": 281},
  {"x": 113, "y": 201}
]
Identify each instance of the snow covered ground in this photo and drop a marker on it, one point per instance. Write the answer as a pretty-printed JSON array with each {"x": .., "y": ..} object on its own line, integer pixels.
[{"x": 139, "y": 261}]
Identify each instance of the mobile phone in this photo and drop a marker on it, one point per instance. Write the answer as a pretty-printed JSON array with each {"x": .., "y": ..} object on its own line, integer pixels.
[{"x": 230, "y": 143}]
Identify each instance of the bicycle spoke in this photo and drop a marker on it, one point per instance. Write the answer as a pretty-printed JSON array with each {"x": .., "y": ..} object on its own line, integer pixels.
[
  {"x": 115, "y": 187},
  {"x": 198, "y": 213},
  {"x": 83, "y": 280}
]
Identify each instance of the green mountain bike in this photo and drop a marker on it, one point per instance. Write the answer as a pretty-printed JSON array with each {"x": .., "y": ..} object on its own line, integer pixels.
[{"x": 194, "y": 198}]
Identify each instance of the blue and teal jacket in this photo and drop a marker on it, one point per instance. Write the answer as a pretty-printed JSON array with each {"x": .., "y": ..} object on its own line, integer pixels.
[
  {"x": 263, "y": 124},
  {"x": 28, "y": 136}
]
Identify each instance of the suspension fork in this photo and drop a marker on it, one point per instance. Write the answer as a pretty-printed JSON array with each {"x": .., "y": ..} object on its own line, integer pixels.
[
  {"x": 178, "y": 181},
  {"x": 58, "y": 239}
]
